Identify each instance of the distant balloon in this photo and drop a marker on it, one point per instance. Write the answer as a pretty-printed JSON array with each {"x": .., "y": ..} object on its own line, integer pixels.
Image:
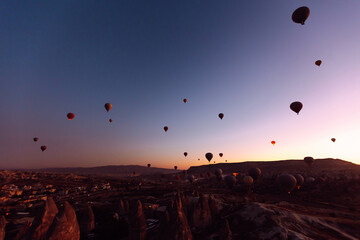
[
  {"x": 43, "y": 148},
  {"x": 35, "y": 139},
  {"x": 166, "y": 128},
  {"x": 185, "y": 154},
  {"x": 299, "y": 180},
  {"x": 309, "y": 161},
  {"x": 185, "y": 100},
  {"x": 108, "y": 106},
  {"x": 248, "y": 180},
  {"x": 230, "y": 181},
  {"x": 225, "y": 160},
  {"x": 296, "y": 107},
  {"x": 214, "y": 162},
  {"x": 198, "y": 159},
  {"x": 273, "y": 142},
  {"x": 333, "y": 139},
  {"x": 218, "y": 172},
  {"x": 149, "y": 165},
  {"x": 221, "y": 154},
  {"x": 318, "y": 63},
  {"x": 309, "y": 180},
  {"x": 254, "y": 173},
  {"x": 300, "y": 15},
  {"x": 191, "y": 178},
  {"x": 110, "y": 120},
  {"x": 70, "y": 116},
  {"x": 209, "y": 156},
  {"x": 287, "y": 182},
  {"x": 221, "y": 115},
  {"x": 175, "y": 167}
]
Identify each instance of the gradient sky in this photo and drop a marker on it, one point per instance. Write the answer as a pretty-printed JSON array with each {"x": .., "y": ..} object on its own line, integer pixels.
[{"x": 246, "y": 59}]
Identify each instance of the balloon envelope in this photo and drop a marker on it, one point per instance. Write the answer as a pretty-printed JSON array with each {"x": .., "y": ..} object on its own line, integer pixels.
[
  {"x": 70, "y": 116},
  {"x": 230, "y": 181},
  {"x": 300, "y": 15},
  {"x": 309, "y": 161},
  {"x": 333, "y": 139},
  {"x": 248, "y": 180},
  {"x": 166, "y": 128},
  {"x": 185, "y": 154},
  {"x": 110, "y": 120},
  {"x": 175, "y": 167},
  {"x": 287, "y": 182},
  {"x": 209, "y": 156},
  {"x": 254, "y": 173},
  {"x": 185, "y": 100},
  {"x": 318, "y": 63},
  {"x": 296, "y": 107},
  {"x": 108, "y": 106},
  {"x": 149, "y": 165},
  {"x": 221, "y": 154},
  {"x": 299, "y": 180},
  {"x": 221, "y": 115},
  {"x": 35, "y": 139},
  {"x": 273, "y": 142},
  {"x": 218, "y": 172},
  {"x": 43, "y": 148}
]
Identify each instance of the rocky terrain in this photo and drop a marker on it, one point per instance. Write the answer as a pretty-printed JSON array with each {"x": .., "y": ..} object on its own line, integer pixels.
[{"x": 204, "y": 208}]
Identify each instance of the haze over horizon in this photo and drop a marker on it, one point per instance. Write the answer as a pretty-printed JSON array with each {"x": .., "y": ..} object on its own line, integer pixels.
[{"x": 246, "y": 60}]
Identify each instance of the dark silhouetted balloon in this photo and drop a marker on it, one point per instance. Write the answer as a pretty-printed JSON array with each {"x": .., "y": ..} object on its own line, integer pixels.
[
  {"x": 299, "y": 180},
  {"x": 254, "y": 173},
  {"x": 198, "y": 159},
  {"x": 108, "y": 106},
  {"x": 221, "y": 154},
  {"x": 309, "y": 161},
  {"x": 248, "y": 180},
  {"x": 149, "y": 165},
  {"x": 230, "y": 181},
  {"x": 191, "y": 178},
  {"x": 300, "y": 15},
  {"x": 185, "y": 154},
  {"x": 185, "y": 100},
  {"x": 333, "y": 139},
  {"x": 110, "y": 120},
  {"x": 166, "y": 128},
  {"x": 218, "y": 172},
  {"x": 309, "y": 180},
  {"x": 175, "y": 167},
  {"x": 209, "y": 156},
  {"x": 225, "y": 160},
  {"x": 296, "y": 107},
  {"x": 70, "y": 116},
  {"x": 35, "y": 139},
  {"x": 43, "y": 148},
  {"x": 273, "y": 142},
  {"x": 221, "y": 115},
  {"x": 287, "y": 182},
  {"x": 318, "y": 63}
]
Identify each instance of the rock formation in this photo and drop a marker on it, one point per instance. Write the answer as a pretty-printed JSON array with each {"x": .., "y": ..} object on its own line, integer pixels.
[
  {"x": 2, "y": 227},
  {"x": 137, "y": 222},
  {"x": 86, "y": 220}
]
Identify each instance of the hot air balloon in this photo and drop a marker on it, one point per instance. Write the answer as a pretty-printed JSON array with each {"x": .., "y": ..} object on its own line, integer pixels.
[
  {"x": 333, "y": 139},
  {"x": 299, "y": 180},
  {"x": 296, "y": 107},
  {"x": 70, "y": 116},
  {"x": 309, "y": 180},
  {"x": 185, "y": 100},
  {"x": 110, "y": 120},
  {"x": 221, "y": 154},
  {"x": 273, "y": 142},
  {"x": 108, "y": 106},
  {"x": 175, "y": 167},
  {"x": 300, "y": 15},
  {"x": 185, "y": 154},
  {"x": 230, "y": 181},
  {"x": 287, "y": 182},
  {"x": 254, "y": 173},
  {"x": 309, "y": 161},
  {"x": 209, "y": 156},
  {"x": 318, "y": 63},
  {"x": 166, "y": 128},
  {"x": 248, "y": 180},
  {"x": 218, "y": 172},
  {"x": 43, "y": 148},
  {"x": 149, "y": 165},
  {"x": 221, "y": 115},
  {"x": 35, "y": 139},
  {"x": 191, "y": 178},
  {"x": 225, "y": 160},
  {"x": 198, "y": 159}
]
